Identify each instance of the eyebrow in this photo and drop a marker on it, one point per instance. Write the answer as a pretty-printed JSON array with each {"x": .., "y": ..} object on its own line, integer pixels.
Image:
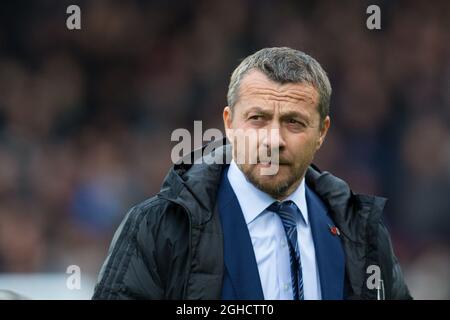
[
  {"x": 257, "y": 110},
  {"x": 292, "y": 114},
  {"x": 287, "y": 114}
]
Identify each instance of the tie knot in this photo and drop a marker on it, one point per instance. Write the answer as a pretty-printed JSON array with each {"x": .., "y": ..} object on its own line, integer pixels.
[
  {"x": 287, "y": 210},
  {"x": 286, "y": 206}
]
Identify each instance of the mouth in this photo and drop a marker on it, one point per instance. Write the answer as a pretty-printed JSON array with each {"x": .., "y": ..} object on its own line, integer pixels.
[
  {"x": 269, "y": 163},
  {"x": 265, "y": 164}
]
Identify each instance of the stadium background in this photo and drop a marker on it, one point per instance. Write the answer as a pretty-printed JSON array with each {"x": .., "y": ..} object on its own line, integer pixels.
[{"x": 86, "y": 118}]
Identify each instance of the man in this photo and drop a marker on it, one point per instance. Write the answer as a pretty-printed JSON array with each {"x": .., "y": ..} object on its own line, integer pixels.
[{"x": 237, "y": 231}]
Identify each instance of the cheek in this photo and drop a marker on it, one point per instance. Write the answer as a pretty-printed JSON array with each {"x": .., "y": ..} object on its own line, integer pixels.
[{"x": 303, "y": 146}]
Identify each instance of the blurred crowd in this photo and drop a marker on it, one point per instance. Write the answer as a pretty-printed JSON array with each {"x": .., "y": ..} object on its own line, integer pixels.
[{"x": 86, "y": 115}]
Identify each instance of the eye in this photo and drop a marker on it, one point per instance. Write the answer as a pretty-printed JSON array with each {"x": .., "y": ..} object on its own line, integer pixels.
[
  {"x": 257, "y": 120},
  {"x": 296, "y": 124},
  {"x": 256, "y": 117}
]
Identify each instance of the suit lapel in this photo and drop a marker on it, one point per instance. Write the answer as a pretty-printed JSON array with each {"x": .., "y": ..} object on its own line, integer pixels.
[
  {"x": 329, "y": 252},
  {"x": 239, "y": 257}
]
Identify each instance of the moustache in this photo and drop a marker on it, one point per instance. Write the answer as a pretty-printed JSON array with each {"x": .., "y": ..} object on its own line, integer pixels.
[{"x": 281, "y": 161}]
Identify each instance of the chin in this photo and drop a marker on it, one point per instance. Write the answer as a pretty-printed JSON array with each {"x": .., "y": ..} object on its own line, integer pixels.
[
  {"x": 275, "y": 185},
  {"x": 281, "y": 177}
]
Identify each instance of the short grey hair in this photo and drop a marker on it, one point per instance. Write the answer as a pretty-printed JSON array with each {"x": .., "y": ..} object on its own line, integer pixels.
[{"x": 284, "y": 65}]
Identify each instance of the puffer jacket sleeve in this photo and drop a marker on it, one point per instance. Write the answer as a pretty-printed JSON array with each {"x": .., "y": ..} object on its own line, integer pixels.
[
  {"x": 130, "y": 271},
  {"x": 395, "y": 286}
]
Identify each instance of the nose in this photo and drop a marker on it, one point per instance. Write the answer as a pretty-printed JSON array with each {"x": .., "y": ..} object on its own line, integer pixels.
[{"x": 272, "y": 138}]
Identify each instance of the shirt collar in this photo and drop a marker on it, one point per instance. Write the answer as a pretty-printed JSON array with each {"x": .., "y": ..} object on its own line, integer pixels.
[{"x": 253, "y": 201}]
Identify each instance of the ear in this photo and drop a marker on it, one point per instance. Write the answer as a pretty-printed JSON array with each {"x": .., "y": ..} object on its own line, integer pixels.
[
  {"x": 228, "y": 121},
  {"x": 323, "y": 132}
]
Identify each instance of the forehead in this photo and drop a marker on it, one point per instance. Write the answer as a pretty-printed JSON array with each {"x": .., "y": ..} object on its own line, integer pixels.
[{"x": 255, "y": 85}]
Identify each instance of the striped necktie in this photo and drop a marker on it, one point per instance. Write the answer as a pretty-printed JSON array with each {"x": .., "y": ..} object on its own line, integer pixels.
[{"x": 288, "y": 211}]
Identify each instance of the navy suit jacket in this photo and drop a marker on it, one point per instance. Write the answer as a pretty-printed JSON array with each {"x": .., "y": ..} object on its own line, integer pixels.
[{"x": 241, "y": 277}]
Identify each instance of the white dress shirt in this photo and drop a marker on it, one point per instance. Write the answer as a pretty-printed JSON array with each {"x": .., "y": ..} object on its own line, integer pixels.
[{"x": 269, "y": 239}]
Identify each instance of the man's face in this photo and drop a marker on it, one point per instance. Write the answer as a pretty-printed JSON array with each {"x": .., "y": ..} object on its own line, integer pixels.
[{"x": 287, "y": 120}]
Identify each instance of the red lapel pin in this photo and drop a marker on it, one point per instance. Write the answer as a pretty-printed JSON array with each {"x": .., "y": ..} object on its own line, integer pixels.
[{"x": 334, "y": 230}]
